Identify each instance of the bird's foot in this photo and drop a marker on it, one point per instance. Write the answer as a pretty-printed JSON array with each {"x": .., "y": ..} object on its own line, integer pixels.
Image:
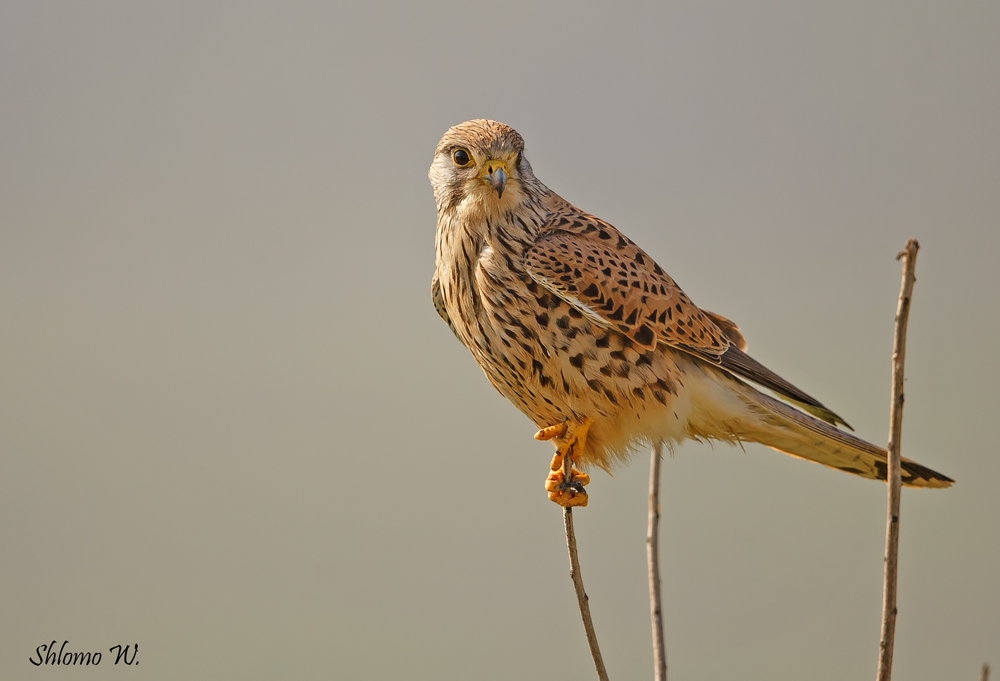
[
  {"x": 566, "y": 493},
  {"x": 565, "y": 483}
]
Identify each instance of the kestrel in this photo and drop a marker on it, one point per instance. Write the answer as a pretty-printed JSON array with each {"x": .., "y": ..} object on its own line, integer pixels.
[{"x": 591, "y": 339}]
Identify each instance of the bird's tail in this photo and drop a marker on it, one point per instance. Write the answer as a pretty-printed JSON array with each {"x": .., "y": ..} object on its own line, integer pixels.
[{"x": 793, "y": 432}]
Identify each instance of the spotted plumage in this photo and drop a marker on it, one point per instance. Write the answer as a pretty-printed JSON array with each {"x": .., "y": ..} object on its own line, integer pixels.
[{"x": 574, "y": 323}]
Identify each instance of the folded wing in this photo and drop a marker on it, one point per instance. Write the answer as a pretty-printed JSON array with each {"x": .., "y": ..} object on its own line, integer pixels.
[{"x": 600, "y": 271}]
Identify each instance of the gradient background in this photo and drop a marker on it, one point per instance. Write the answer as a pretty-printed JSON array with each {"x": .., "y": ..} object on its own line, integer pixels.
[{"x": 233, "y": 429}]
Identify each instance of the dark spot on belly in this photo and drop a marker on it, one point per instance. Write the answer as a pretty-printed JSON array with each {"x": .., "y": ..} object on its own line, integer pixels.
[{"x": 665, "y": 386}]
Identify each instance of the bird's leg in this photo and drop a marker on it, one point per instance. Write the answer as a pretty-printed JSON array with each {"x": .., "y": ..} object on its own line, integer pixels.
[{"x": 565, "y": 483}]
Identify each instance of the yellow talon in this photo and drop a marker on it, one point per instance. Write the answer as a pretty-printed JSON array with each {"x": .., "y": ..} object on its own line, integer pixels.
[
  {"x": 554, "y": 482},
  {"x": 550, "y": 432},
  {"x": 568, "y": 498},
  {"x": 570, "y": 441}
]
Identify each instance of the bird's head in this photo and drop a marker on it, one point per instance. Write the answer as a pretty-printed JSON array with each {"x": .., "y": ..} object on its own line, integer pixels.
[{"x": 481, "y": 163}]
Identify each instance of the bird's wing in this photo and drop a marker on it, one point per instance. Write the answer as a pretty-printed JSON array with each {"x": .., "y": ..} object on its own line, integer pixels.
[
  {"x": 601, "y": 272},
  {"x": 729, "y": 329},
  {"x": 609, "y": 278}
]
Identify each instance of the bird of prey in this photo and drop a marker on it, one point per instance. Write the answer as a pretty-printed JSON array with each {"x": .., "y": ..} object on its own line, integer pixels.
[{"x": 590, "y": 338}]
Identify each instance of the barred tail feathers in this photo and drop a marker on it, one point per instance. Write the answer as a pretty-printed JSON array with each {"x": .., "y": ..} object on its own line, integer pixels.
[{"x": 784, "y": 428}]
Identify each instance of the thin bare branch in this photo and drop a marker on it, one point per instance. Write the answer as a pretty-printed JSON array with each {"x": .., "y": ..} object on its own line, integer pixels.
[
  {"x": 653, "y": 565},
  {"x": 984, "y": 675},
  {"x": 893, "y": 480},
  {"x": 581, "y": 595}
]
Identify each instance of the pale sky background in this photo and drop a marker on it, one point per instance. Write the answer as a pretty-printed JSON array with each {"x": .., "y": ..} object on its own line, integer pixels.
[{"x": 234, "y": 431}]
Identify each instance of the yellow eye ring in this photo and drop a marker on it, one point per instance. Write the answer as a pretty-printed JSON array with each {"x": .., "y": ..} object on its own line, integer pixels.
[{"x": 462, "y": 157}]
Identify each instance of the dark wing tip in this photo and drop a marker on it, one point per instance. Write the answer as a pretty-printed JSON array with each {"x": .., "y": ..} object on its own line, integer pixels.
[
  {"x": 742, "y": 364},
  {"x": 822, "y": 413}
]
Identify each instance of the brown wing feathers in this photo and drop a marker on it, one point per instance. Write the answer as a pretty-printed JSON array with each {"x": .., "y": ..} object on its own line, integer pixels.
[
  {"x": 729, "y": 329},
  {"x": 604, "y": 274},
  {"x": 609, "y": 277}
]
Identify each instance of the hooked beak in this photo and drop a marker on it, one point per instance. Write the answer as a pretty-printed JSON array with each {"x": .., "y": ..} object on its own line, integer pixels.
[{"x": 496, "y": 176}]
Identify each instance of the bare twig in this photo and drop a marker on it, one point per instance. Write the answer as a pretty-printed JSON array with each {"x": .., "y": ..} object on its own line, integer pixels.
[
  {"x": 653, "y": 565},
  {"x": 893, "y": 480},
  {"x": 985, "y": 673},
  {"x": 581, "y": 595}
]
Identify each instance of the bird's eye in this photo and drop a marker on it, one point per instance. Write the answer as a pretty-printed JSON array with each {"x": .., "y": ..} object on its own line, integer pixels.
[
  {"x": 520, "y": 155},
  {"x": 461, "y": 157}
]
